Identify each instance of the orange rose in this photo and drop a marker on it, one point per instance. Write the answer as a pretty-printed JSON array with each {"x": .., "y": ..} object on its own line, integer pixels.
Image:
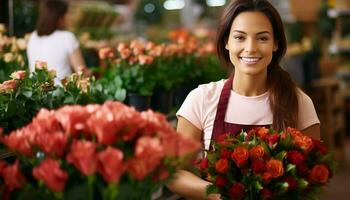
[
  {"x": 294, "y": 132},
  {"x": 304, "y": 142},
  {"x": 319, "y": 174},
  {"x": 240, "y": 156},
  {"x": 275, "y": 168},
  {"x": 221, "y": 166},
  {"x": 256, "y": 152},
  {"x": 106, "y": 52},
  {"x": 262, "y": 132}
]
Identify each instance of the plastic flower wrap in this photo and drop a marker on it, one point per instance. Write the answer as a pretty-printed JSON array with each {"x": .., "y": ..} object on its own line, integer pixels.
[
  {"x": 107, "y": 151},
  {"x": 265, "y": 164}
]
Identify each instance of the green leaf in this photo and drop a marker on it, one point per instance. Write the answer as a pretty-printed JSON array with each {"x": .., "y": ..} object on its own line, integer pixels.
[
  {"x": 212, "y": 189},
  {"x": 302, "y": 183},
  {"x": 211, "y": 158},
  {"x": 281, "y": 155},
  {"x": 120, "y": 94},
  {"x": 290, "y": 167}
]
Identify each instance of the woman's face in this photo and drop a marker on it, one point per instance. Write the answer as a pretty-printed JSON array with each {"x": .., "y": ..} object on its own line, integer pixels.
[{"x": 251, "y": 43}]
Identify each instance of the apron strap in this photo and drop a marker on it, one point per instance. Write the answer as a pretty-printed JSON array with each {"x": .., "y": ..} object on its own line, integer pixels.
[{"x": 219, "y": 122}]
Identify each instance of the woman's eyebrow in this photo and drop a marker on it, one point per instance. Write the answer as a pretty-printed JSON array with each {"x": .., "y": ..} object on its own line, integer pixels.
[{"x": 259, "y": 33}]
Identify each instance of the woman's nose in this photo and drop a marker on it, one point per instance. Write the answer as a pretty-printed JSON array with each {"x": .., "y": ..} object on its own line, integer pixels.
[{"x": 250, "y": 45}]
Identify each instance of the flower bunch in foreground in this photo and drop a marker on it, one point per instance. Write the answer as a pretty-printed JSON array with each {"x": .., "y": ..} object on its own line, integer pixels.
[
  {"x": 93, "y": 150},
  {"x": 265, "y": 164}
]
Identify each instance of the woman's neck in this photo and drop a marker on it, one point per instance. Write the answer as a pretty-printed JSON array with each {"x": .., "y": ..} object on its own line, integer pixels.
[{"x": 248, "y": 85}]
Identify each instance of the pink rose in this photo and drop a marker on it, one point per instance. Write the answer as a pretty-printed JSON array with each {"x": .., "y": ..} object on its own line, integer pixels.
[
  {"x": 18, "y": 75},
  {"x": 110, "y": 164},
  {"x": 83, "y": 156},
  {"x": 12, "y": 176},
  {"x": 50, "y": 172}
]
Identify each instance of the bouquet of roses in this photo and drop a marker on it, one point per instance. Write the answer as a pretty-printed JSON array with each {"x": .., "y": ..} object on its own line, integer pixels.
[
  {"x": 107, "y": 151},
  {"x": 265, "y": 164}
]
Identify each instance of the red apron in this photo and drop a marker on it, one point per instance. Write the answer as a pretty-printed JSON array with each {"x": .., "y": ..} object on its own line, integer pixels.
[{"x": 220, "y": 126}]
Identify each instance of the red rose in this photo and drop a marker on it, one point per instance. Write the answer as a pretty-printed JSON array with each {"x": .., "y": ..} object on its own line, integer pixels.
[
  {"x": 240, "y": 156},
  {"x": 221, "y": 166},
  {"x": 237, "y": 191},
  {"x": 258, "y": 166},
  {"x": 83, "y": 156},
  {"x": 319, "y": 146},
  {"x": 272, "y": 139},
  {"x": 225, "y": 153},
  {"x": 221, "y": 181},
  {"x": 302, "y": 169},
  {"x": 256, "y": 152},
  {"x": 266, "y": 193},
  {"x": 275, "y": 168},
  {"x": 266, "y": 177},
  {"x": 13, "y": 177},
  {"x": 221, "y": 139},
  {"x": 53, "y": 176},
  {"x": 110, "y": 164},
  {"x": 161, "y": 175},
  {"x": 292, "y": 183},
  {"x": 2, "y": 166},
  {"x": 319, "y": 174},
  {"x": 203, "y": 164},
  {"x": 295, "y": 157}
]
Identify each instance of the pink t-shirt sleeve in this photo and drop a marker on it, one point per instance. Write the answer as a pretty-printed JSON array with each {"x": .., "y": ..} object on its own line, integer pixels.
[
  {"x": 192, "y": 108},
  {"x": 307, "y": 113}
]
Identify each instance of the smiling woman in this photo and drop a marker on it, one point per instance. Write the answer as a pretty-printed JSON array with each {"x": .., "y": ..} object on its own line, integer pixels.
[{"x": 251, "y": 40}]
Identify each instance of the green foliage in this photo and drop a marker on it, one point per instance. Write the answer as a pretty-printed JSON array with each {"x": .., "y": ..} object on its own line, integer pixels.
[{"x": 18, "y": 106}]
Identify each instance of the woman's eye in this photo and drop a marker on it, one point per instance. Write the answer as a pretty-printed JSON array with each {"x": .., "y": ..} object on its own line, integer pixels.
[
  {"x": 238, "y": 37},
  {"x": 264, "y": 39}
]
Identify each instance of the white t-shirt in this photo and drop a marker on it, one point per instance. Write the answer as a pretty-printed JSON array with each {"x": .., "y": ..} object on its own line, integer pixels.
[
  {"x": 54, "y": 49},
  {"x": 200, "y": 109}
]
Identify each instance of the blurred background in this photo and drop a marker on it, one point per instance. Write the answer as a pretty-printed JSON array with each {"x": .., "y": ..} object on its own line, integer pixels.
[{"x": 318, "y": 56}]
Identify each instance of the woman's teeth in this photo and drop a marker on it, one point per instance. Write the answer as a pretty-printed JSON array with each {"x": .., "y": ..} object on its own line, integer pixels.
[{"x": 250, "y": 60}]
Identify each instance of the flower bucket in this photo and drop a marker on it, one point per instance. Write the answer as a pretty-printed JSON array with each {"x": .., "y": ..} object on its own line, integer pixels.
[
  {"x": 139, "y": 102},
  {"x": 162, "y": 101}
]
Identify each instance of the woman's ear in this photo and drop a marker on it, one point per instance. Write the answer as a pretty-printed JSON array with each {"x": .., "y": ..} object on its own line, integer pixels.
[{"x": 226, "y": 47}]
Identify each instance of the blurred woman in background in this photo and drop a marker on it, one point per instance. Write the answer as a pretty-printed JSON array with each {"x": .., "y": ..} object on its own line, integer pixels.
[{"x": 51, "y": 43}]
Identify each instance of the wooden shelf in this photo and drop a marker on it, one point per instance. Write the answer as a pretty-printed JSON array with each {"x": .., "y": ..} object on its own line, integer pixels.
[{"x": 328, "y": 99}]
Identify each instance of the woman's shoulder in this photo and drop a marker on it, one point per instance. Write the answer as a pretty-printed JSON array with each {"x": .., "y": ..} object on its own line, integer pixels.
[
  {"x": 211, "y": 89},
  {"x": 64, "y": 33},
  {"x": 302, "y": 96}
]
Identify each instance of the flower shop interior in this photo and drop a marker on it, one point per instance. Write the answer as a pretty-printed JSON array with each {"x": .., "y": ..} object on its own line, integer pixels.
[{"x": 179, "y": 38}]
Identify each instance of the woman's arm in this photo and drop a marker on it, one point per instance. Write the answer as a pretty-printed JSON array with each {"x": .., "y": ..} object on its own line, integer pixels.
[
  {"x": 313, "y": 131},
  {"x": 78, "y": 63},
  {"x": 185, "y": 183}
]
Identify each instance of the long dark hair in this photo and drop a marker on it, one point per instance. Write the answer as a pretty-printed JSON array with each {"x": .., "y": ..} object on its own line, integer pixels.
[
  {"x": 282, "y": 89},
  {"x": 50, "y": 13}
]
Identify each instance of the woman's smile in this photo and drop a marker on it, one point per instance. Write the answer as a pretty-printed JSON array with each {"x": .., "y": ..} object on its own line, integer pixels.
[{"x": 249, "y": 60}]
